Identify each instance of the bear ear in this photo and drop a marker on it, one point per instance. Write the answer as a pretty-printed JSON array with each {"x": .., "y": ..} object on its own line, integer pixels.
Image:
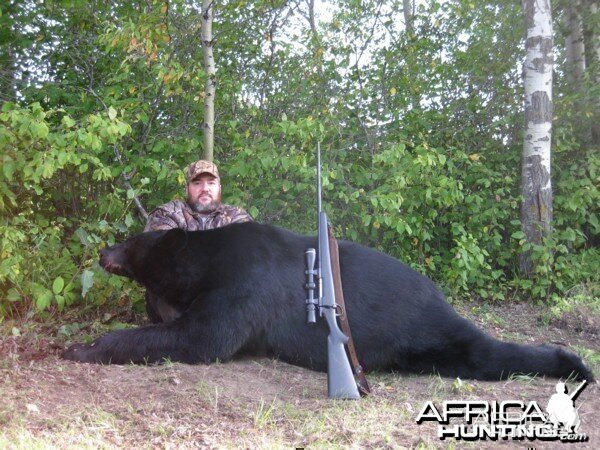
[{"x": 173, "y": 240}]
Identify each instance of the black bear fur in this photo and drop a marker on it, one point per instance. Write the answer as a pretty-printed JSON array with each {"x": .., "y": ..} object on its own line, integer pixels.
[{"x": 242, "y": 286}]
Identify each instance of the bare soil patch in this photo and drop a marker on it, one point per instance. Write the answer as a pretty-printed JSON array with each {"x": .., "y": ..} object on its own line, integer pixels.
[{"x": 46, "y": 402}]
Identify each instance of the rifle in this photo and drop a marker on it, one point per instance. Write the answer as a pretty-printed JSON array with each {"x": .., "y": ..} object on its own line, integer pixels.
[{"x": 340, "y": 379}]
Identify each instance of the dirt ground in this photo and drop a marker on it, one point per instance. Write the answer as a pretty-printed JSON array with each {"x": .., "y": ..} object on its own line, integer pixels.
[{"x": 46, "y": 402}]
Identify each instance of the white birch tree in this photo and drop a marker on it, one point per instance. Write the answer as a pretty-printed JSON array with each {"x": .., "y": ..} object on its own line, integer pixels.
[
  {"x": 211, "y": 81},
  {"x": 536, "y": 186}
]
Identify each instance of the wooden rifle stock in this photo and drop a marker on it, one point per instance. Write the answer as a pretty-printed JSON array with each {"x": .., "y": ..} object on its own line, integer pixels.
[{"x": 363, "y": 385}]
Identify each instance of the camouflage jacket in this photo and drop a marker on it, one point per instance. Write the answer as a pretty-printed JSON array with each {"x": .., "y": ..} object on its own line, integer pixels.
[{"x": 178, "y": 214}]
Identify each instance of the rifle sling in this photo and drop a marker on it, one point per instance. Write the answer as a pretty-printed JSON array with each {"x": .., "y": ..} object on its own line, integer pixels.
[{"x": 363, "y": 385}]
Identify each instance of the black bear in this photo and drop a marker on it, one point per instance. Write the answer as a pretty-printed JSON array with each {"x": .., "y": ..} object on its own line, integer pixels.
[{"x": 242, "y": 286}]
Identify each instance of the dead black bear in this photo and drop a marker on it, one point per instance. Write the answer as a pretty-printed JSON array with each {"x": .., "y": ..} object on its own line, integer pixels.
[{"x": 242, "y": 286}]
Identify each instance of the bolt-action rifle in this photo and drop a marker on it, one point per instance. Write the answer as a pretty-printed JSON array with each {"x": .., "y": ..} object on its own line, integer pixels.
[{"x": 322, "y": 281}]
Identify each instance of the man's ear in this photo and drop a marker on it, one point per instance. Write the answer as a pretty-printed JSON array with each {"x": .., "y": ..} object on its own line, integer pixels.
[{"x": 173, "y": 241}]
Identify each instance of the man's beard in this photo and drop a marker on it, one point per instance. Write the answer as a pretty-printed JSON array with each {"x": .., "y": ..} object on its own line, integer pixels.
[{"x": 205, "y": 208}]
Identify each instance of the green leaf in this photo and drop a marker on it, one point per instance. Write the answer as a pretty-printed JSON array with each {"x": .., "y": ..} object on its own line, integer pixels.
[
  {"x": 48, "y": 170},
  {"x": 123, "y": 129},
  {"x": 13, "y": 295},
  {"x": 44, "y": 299},
  {"x": 70, "y": 329},
  {"x": 83, "y": 236},
  {"x": 113, "y": 326},
  {"x": 8, "y": 168},
  {"x": 70, "y": 297},
  {"x": 87, "y": 281},
  {"x": 593, "y": 219},
  {"x": 58, "y": 285},
  {"x": 60, "y": 302},
  {"x": 68, "y": 122},
  {"x": 112, "y": 113},
  {"x": 39, "y": 130},
  {"x": 129, "y": 221},
  {"x": 518, "y": 235},
  {"x": 62, "y": 158}
]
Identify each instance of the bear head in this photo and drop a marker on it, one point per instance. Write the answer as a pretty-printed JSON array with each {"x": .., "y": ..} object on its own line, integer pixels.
[{"x": 144, "y": 257}]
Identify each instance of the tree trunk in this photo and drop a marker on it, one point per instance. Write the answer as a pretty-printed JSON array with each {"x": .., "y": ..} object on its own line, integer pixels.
[
  {"x": 8, "y": 80},
  {"x": 211, "y": 82},
  {"x": 536, "y": 186},
  {"x": 408, "y": 17},
  {"x": 574, "y": 45},
  {"x": 592, "y": 57},
  {"x": 315, "y": 37},
  {"x": 593, "y": 43},
  {"x": 8, "y": 63},
  {"x": 576, "y": 66}
]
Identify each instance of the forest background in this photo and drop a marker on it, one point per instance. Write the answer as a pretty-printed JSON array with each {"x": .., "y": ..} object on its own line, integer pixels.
[{"x": 419, "y": 111}]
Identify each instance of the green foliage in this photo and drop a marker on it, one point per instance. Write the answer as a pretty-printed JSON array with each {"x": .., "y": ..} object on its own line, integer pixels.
[
  {"x": 46, "y": 251},
  {"x": 570, "y": 258},
  {"x": 421, "y": 138}
]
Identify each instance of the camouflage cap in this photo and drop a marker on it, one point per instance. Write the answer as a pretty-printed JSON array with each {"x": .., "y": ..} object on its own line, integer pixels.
[{"x": 199, "y": 167}]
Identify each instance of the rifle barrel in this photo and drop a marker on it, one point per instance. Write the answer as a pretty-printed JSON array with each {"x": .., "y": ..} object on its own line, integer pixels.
[{"x": 319, "y": 186}]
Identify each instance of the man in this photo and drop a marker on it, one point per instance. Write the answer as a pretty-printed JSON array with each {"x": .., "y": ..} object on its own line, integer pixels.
[{"x": 202, "y": 210}]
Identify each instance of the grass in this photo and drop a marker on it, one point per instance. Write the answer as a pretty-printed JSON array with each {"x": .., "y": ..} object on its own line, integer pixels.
[
  {"x": 264, "y": 414},
  {"x": 523, "y": 378},
  {"x": 208, "y": 394},
  {"x": 257, "y": 404},
  {"x": 324, "y": 423},
  {"x": 198, "y": 413},
  {"x": 578, "y": 300},
  {"x": 93, "y": 429},
  {"x": 334, "y": 424}
]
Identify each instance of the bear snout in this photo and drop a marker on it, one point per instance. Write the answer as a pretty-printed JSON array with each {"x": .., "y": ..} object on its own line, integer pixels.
[
  {"x": 109, "y": 261},
  {"x": 105, "y": 258}
]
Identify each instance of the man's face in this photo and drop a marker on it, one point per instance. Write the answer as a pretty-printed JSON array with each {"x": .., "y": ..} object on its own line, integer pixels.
[{"x": 204, "y": 193}]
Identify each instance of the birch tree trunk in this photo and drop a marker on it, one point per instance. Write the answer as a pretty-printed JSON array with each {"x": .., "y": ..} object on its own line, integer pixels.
[
  {"x": 536, "y": 186},
  {"x": 211, "y": 82},
  {"x": 575, "y": 51}
]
